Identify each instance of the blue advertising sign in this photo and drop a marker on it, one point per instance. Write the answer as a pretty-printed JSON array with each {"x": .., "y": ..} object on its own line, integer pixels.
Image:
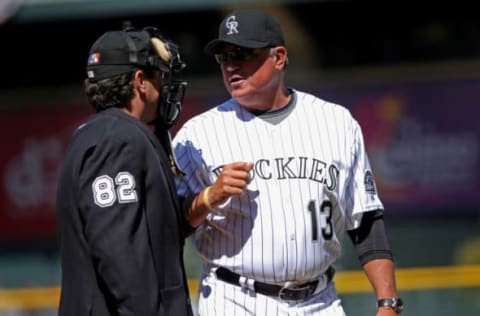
[{"x": 422, "y": 138}]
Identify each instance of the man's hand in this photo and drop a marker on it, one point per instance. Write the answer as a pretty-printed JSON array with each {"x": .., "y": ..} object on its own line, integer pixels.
[{"x": 232, "y": 181}]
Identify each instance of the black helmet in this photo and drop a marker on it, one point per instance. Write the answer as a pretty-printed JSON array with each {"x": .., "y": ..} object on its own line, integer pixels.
[{"x": 118, "y": 52}]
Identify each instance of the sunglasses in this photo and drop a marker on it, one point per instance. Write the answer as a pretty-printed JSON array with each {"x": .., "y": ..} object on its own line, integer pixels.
[{"x": 238, "y": 54}]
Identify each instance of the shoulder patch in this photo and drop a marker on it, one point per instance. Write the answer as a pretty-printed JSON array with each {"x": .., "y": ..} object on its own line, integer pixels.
[{"x": 369, "y": 183}]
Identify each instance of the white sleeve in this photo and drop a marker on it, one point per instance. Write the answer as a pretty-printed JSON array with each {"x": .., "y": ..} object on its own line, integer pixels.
[
  {"x": 191, "y": 162},
  {"x": 362, "y": 195}
]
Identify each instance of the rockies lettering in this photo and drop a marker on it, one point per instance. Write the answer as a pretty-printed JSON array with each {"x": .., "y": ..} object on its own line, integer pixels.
[{"x": 294, "y": 168}]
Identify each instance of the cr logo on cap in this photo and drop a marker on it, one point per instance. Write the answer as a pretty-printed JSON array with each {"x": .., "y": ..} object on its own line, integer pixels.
[{"x": 231, "y": 24}]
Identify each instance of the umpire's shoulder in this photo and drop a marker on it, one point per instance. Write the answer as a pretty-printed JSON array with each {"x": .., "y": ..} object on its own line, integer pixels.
[{"x": 113, "y": 125}]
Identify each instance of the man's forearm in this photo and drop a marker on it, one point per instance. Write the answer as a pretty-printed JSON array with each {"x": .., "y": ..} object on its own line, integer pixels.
[{"x": 381, "y": 274}]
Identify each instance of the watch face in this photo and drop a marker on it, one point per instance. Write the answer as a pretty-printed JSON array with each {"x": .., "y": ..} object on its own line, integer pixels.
[{"x": 398, "y": 305}]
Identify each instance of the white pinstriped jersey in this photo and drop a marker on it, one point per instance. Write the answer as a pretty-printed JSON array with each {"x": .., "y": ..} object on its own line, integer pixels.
[{"x": 311, "y": 181}]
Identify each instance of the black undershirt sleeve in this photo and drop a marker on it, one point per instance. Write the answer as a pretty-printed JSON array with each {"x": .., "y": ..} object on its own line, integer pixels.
[{"x": 370, "y": 239}]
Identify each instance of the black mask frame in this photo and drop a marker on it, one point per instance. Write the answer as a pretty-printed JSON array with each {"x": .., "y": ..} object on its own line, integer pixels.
[{"x": 173, "y": 90}]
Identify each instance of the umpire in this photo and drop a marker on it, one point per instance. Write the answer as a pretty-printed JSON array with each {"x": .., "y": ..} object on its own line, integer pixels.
[{"x": 120, "y": 227}]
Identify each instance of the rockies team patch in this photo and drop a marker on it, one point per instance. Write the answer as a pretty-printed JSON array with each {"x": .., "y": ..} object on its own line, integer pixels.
[{"x": 369, "y": 183}]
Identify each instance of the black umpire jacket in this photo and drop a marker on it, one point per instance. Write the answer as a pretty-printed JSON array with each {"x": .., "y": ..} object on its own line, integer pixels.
[{"x": 120, "y": 227}]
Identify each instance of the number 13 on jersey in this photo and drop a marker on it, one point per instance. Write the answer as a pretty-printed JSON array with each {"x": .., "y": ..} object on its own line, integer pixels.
[{"x": 321, "y": 216}]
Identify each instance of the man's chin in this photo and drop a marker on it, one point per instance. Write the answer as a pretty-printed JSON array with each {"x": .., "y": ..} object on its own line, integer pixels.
[{"x": 239, "y": 93}]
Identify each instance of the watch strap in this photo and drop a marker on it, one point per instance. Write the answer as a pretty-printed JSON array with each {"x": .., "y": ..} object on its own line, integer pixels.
[{"x": 394, "y": 303}]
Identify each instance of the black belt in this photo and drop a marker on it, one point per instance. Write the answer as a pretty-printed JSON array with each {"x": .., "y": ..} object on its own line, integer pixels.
[{"x": 290, "y": 292}]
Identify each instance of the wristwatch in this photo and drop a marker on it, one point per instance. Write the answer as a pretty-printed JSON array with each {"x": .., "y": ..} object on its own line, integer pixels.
[{"x": 394, "y": 303}]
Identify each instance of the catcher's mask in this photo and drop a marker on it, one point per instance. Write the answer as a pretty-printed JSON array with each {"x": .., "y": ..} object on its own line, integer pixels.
[
  {"x": 118, "y": 52},
  {"x": 173, "y": 90}
]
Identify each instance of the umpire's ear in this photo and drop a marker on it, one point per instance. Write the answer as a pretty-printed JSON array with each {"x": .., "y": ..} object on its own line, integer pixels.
[{"x": 139, "y": 79}]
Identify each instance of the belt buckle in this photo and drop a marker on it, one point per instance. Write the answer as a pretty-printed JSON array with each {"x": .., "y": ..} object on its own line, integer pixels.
[{"x": 291, "y": 291}]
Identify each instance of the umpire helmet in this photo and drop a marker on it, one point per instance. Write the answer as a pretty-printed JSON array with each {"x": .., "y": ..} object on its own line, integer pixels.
[{"x": 118, "y": 52}]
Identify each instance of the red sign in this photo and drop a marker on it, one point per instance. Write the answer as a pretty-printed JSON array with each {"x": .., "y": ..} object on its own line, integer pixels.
[{"x": 34, "y": 142}]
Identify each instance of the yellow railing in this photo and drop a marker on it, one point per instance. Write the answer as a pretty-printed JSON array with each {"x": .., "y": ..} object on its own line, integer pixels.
[
  {"x": 410, "y": 279},
  {"x": 29, "y": 298},
  {"x": 347, "y": 282}
]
